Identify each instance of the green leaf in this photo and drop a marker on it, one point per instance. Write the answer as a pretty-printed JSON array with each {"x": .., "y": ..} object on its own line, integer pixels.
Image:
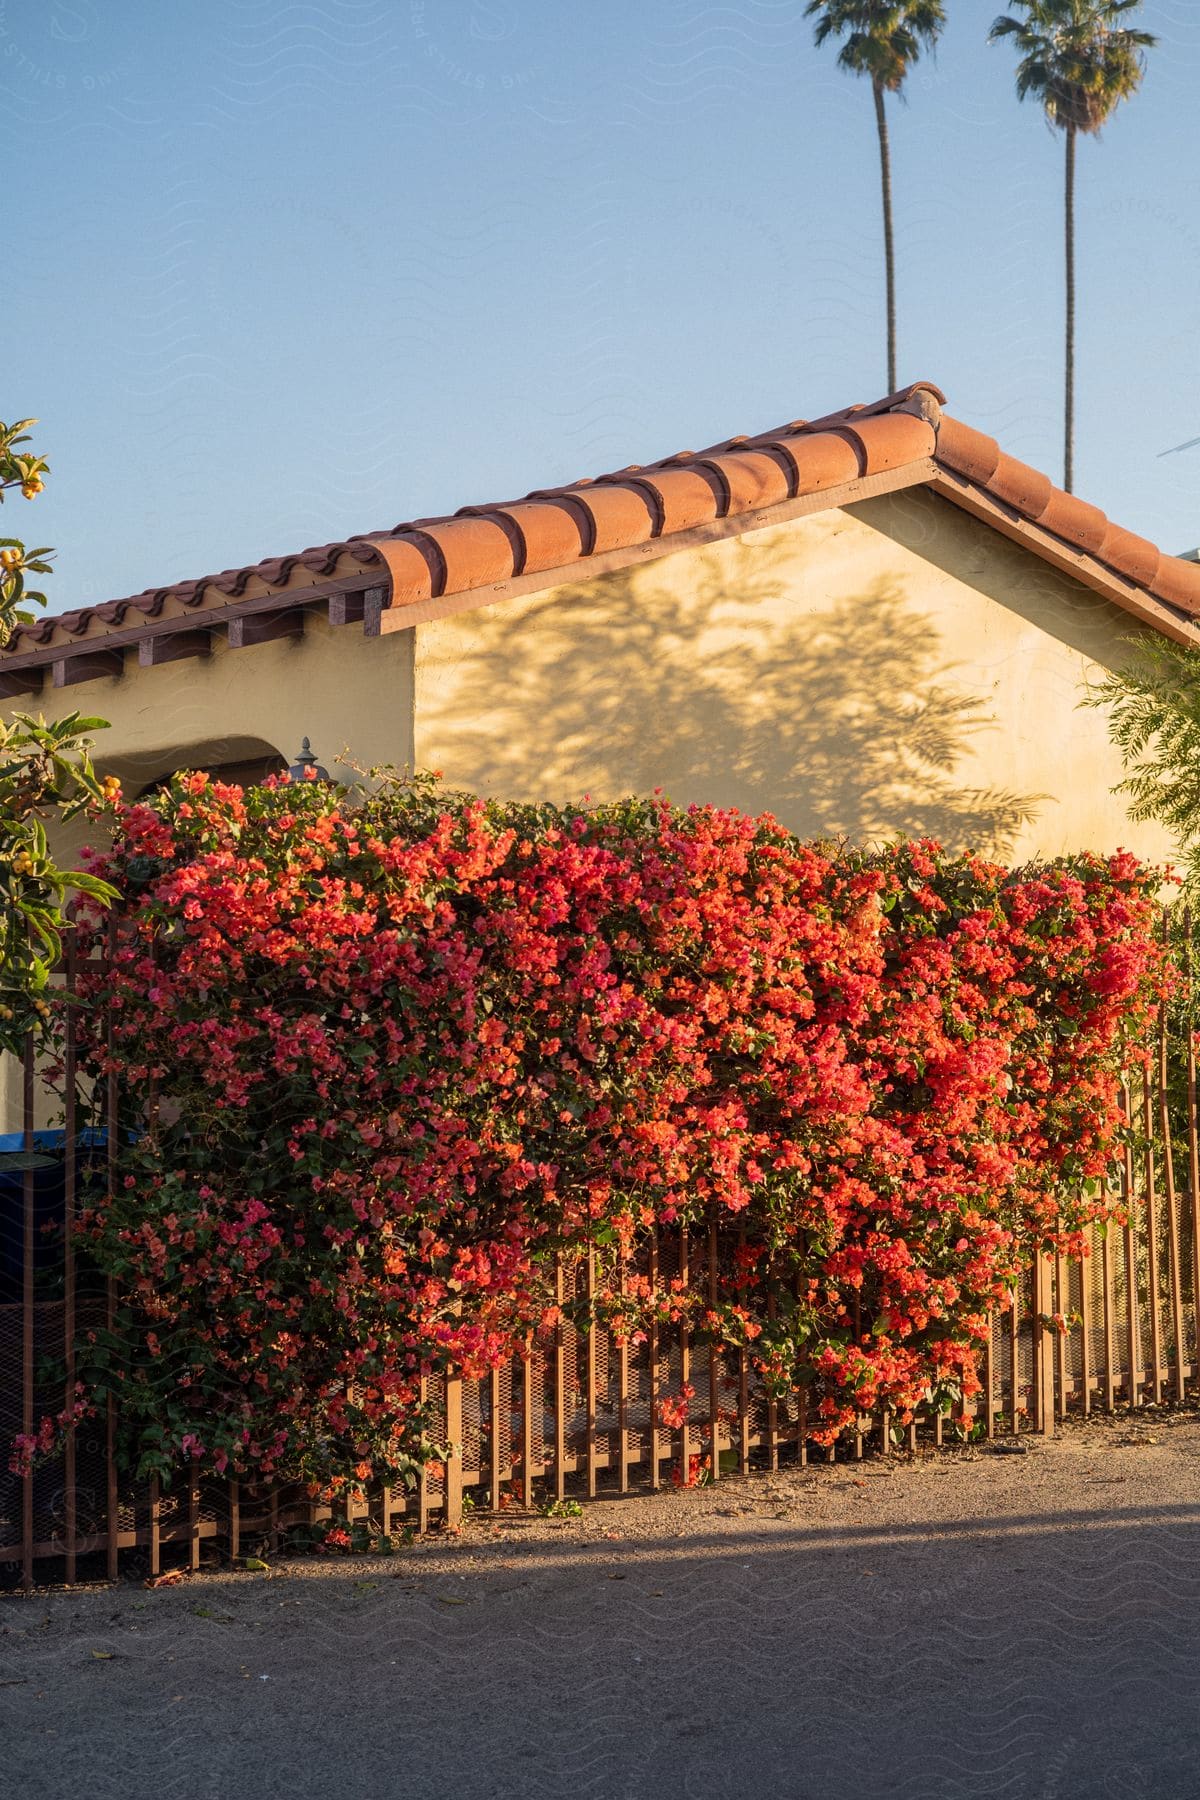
[{"x": 91, "y": 884}]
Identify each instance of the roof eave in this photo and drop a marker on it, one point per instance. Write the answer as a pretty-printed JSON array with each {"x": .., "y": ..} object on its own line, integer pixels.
[{"x": 1077, "y": 563}]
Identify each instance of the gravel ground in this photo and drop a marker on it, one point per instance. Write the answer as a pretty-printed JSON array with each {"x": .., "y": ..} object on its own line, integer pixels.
[{"x": 962, "y": 1625}]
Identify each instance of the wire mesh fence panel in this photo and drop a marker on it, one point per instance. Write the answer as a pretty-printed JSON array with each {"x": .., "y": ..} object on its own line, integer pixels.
[
  {"x": 1179, "y": 1348},
  {"x": 1143, "y": 1276},
  {"x": 473, "y": 1408},
  {"x": 1187, "y": 1277},
  {"x": 1018, "y": 1407},
  {"x": 604, "y": 1401},
  {"x": 643, "y": 1388},
  {"x": 498, "y": 1428},
  {"x": 1087, "y": 1270},
  {"x": 1072, "y": 1352},
  {"x": 433, "y": 1474},
  {"x": 1003, "y": 1362},
  {"x": 532, "y": 1419}
]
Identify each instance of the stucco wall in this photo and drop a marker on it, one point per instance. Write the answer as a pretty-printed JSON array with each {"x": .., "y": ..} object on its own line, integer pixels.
[{"x": 895, "y": 667}]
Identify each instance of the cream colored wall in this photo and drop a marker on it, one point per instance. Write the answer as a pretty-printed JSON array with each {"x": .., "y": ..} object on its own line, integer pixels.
[
  {"x": 350, "y": 694},
  {"x": 896, "y": 667}
]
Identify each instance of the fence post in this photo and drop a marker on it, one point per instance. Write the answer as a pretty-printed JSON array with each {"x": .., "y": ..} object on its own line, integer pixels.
[
  {"x": 593, "y": 1454},
  {"x": 112, "y": 1503},
  {"x": 1043, "y": 1344},
  {"x": 28, "y": 1241},
  {"x": 1133, "y": 1325},
  {"x": 714, "y": 1358},
  {"x": 452, "y": 1513},
  {"x": 1153, "y": 1297},
  {"x": 70, "y": 1176},
  {"x": 1193, "y": 1137},
  {"x": 1174, "y": 1257},
  {"x": 560, "y": 1384}
]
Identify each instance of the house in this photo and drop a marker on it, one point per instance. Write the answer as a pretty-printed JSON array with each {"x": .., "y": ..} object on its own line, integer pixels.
[{"x": 870, "y": 623}]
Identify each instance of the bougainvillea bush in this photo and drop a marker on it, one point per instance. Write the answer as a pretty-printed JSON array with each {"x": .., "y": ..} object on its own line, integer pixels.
[{"x": 394, "y": 1053}]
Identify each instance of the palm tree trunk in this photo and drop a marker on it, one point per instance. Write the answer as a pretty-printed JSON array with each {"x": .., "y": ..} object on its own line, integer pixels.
[
  {"x": 889, "y": 243},
  {"x": 1069, "y": 436}
]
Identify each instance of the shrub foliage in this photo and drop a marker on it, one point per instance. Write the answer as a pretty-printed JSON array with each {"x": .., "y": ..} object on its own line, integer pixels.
[
  {"x": 403, "y": 1049},
  {"x": 46, "y": 774}
]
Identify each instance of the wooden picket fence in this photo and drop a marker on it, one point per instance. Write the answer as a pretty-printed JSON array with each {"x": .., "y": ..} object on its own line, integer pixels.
[{"x": 584, "y": 1416}]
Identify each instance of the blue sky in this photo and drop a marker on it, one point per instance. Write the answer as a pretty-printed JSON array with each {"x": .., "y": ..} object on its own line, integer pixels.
[{"x": 280, "y": 273}]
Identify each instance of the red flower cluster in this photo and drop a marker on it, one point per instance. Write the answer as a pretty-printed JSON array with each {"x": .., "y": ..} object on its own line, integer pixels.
[{"x": 406, "y": 1051}]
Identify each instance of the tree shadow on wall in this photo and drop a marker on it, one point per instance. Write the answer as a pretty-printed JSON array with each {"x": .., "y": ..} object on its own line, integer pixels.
[{"x": 845, "y": 722}]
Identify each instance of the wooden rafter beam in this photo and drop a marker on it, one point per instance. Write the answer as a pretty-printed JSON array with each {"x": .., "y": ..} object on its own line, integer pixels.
[
  {"x": 173, "y": 646},
  {"x": 355, "y": 609},
  {"x": 265, "y": 628},
  {"x": 86, "y": 665},
  {"x": 19, "y": 681}
]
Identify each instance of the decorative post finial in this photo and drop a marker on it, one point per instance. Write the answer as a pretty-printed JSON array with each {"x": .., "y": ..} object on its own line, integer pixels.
[{"x": 306, "y": 767}]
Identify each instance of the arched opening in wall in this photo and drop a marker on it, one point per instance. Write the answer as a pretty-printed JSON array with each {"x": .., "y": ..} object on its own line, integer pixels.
[
  {"x": 248, "y": 772},
  {"x": 241, "y": 761}
]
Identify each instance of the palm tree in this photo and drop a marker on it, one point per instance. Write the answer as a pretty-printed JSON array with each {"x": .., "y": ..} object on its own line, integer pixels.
[
  {"x": 883, "y": 39},
  {"x": 1080, "y": 62}
]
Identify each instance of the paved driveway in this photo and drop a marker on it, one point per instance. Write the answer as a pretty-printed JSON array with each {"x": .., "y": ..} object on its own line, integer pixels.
[{"x": 969, "y": 1626}]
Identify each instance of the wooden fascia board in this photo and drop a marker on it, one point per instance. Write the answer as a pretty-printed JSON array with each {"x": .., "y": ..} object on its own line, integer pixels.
[
  {"x": 1076, "y": 563},
  {"x": 588, "y": 568}
]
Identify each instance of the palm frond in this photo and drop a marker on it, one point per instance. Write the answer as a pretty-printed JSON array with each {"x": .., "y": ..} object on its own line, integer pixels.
[
  {"x": 1153, "y": 708},
  {"x": 1075, "y": 58},
  {"x": 881, "y": 39}
]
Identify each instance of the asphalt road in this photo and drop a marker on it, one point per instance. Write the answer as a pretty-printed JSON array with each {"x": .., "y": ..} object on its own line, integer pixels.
[{"x": 961, "y": 1628}]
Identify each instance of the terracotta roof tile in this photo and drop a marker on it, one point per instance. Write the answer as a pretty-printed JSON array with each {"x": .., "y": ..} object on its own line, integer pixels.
[
  {"x": 621, "y": 514},
  {"x": 553, "y": 532},
  {"x": 890, "y": 440},
  {"x": 752, "y": 479},
  {"x": 824, "y": 460},
  {"x": 1074, "y": 521},
  {"x": 1026, "y": 489},
  {"x": 411, "y": 567},
  {"x": 557, "y": 530},
  {"x": 686, "y": 497},
  {"x": 1175, "y": 581},
  {"x": 963, "y": 448},
  {"x": 1134, "y": 557},
  {"x": 473, "y": 552}
]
